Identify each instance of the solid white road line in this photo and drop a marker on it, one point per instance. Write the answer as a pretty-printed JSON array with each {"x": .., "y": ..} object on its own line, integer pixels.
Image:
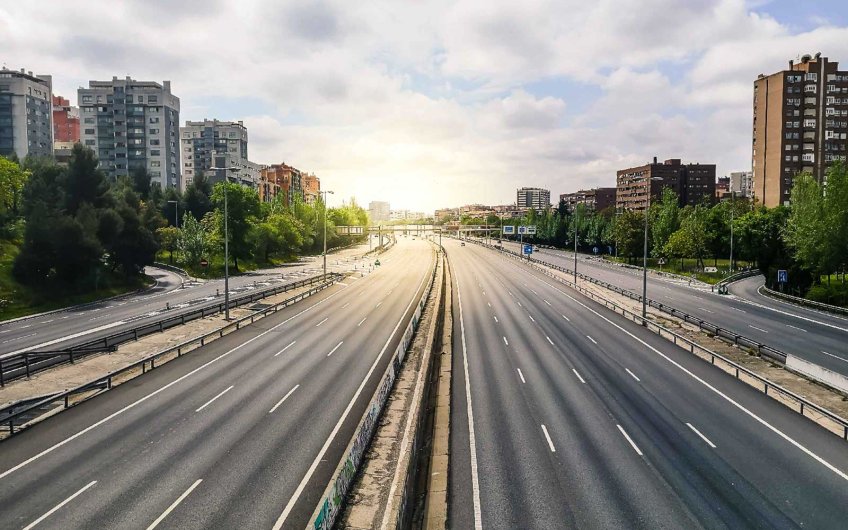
[
  {"x": 176, "y": 503},
  {"x": 578, "y": 376},
  {"x": 548, "y": 438},
  {"x": 163, "y": 388},
  {"x": 521, "y": 375},
  {"x": 214, "y": 398},
  {"x": 64, "y": 502},
  {"x": 633, "y": 445},
  {"x": 796, "y": 316},
  {"x": 718, "y": 392},
  {"x": 835, "y": 356},
  {"x": 336, "y": 348},
  {"x": 290, "y": 392},
  {"x": 590, "y": 338},
  {"x": 633, "y": 375},
  {"x": 320, "y": 456},
  {"x": 318, "y": 324},
  {"x": 361, "y": 321},
  {"x": 704, "y": 438},
  {"x": 758, "y": 329},
  {"x": 286, "y": 348},
  {"x": 796, "y": 327},
  {"x": 549, "y": 340},
  {"x": 67, "y": 337},
  {"x": 506, "y": 341}
]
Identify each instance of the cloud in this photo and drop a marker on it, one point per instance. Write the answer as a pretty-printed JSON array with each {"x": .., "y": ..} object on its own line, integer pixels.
[{"x": 430, "y": 104}]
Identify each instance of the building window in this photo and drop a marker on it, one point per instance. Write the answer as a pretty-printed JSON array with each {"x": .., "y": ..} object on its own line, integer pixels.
[
  {"x": 154, "y": 152},
  {"x": 152, "y": 99}
]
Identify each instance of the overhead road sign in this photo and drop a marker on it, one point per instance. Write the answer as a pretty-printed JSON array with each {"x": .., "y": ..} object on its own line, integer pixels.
[{"x": 509, "y": 230}]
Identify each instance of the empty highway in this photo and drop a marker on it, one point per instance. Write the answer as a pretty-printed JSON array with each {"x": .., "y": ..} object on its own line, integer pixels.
[
  {"x": 566, "y": 415},
  {"x": 242, "y": 433}
]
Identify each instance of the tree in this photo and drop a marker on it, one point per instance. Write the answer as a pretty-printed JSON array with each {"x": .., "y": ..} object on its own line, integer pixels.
[
  {"x": 169, "y": 237},
  {"x": 243, "y": 208},
  {"x": 196, "y": 199},
  {"x": 665, "y": 220},
  {"x": 141, "y": 182},
  {"x": 193, "y": 242},
  {"x": 12, "y": 180},
  {"x": 629, "y": 233},
  {"x": 84, "y": 182}
]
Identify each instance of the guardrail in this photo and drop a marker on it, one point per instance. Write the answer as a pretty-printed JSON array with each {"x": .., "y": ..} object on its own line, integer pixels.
[
  {"x": 803, "y": 301},
  {"x": 721, "y": 333},
  {"x": 9, "y": 414},
  {"x": 331, "y": 503},
  {"x": 26, "y": 363},
  {"x": 172, "y": 268},
  {"x": 834, "y": 423}
]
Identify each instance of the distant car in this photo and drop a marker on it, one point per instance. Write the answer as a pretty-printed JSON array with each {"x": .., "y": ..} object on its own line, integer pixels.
[
  {"x": 535, "y": 248},
  {"x": 462, "y": 244}
]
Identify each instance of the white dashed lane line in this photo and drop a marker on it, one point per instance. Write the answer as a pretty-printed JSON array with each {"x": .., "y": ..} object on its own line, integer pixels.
[
  {"x": 632, "y": 444},
  {"x": 704, "y": 438},
  {"x": 521, "y": 375},
  {"x": 578, "y": 376},
  {"x": 590, "y": 338},
  {"x": 548, "y": 438},
  {"x": 758, "y": 329},
  {"x": 633, "y": 375}
]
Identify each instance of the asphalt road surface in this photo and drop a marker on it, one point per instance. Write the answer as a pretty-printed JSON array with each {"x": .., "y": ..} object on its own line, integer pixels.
[
  {"x": 243, "y": 433},
  {"x": 818, "y": 337},
  {"x": 566, "y": 415},
  {"x": 74, "y": 326}
]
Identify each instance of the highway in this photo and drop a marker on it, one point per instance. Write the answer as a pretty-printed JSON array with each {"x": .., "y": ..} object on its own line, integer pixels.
[
  {"x": 242, "y": 433},
  {"x": 169, "y": 296},
  {"x": 812, "y": 335},
  {"x": 566, "y": 415}
]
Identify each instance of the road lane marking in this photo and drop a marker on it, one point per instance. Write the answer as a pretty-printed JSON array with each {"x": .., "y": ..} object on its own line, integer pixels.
[
  {"x": 290, "y": 392},
  {"x": 336, "y": 348},
  {"x": 566, "y": 318},
  {"x": 488, "y": 304},
  {"x": 48, "y": 321},
  {"x": 633, "y": 445},
  {"x": 718, "y": 392},
  {"x": 531, "y": 317},
  {"x": 162, "y": 389},
  {"x": 361, "y": 321},
  {"x": 67, "y": 337},
  {"x": 506, "y": 341},
  {"x": 19, "y": 338},
  {"x": 705, "y": 309},
  {"x": 320, "y": 456},
  {"x": 24, "y": 327},
  {"x": 378, "y": 305},
  {"x": 737, "y": 309},
  {"x": 758, "y": 329},
  {"x": 590, "y": 338},
  {"x": 547, "y": 302},
  {"x": 796, "y": 327},
  {"x": 58, "y": 506},
  {"x": 286, "y": 348},
  {"x": 578, "y": 376},
  {"x": 176, "y": 503},
  {"x": 519, "y": 304},
  {"x": 548, "y": 438},
  {"x": 318, "y": 324},
  {"x": 214, "y": 398},
  {"x": 633, "y": 375},
  {"x": 835, "y": 356},
  {"x": 521, "y": 375},
  {"x": 496, "y": 318},
  {"x": 549, "y": 340},
  {"x": 347, "y": 304},
  {"x": 534, "y": 292},
  {"x": 704, "y": 438}
]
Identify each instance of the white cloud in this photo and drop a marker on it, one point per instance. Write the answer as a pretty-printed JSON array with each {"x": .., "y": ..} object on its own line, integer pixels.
[{"x": 430, "y": 104}]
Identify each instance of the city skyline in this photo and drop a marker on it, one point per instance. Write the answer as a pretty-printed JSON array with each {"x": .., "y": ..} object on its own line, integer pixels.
[{"x": 396, "y": 104}]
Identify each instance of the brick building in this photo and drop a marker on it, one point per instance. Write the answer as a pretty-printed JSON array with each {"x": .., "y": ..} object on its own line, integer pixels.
[
  {"x": 596, "y": 199},
  {"x": 280, "y": 178},
  {"x": 693, "y": 183}
]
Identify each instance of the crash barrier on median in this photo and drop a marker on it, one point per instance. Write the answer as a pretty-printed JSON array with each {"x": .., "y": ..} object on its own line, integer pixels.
[
  {"x": 26, "y": 363},
  {"x": 803, "y": 301},
  {"x": 74, "y": 396},
  {"x": 763, "y": 350},
  {"x": 822, "y": 416},
  {"x": 334, "y": 496},
  {"x": 721, "y": 285},
  {"x": 818, "y": 373}
]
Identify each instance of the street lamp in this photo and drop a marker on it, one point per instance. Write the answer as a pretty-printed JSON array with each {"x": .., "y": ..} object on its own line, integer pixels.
[
  {"x": 730, "y": 265},
  {"x": 645, "y": 255},
  {"x": 325, "y": 192},
  {"x": 176, "y": 213},
  {"x": 226, "y": 241}
]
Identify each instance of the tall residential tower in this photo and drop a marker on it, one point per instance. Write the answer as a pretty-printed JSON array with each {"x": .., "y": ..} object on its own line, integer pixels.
[{"x": 26, "y": 109}]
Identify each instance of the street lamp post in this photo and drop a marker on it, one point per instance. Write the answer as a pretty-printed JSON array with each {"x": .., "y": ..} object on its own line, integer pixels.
[
  {"x": 645, "y": 255},
  {"x": 730, "y": 264},
  {"x": 176, "y": 213},
  {"x": 575, "y": 250},
  {"x": 226, "y": 241},
  {"x": 325, "y": 192}
]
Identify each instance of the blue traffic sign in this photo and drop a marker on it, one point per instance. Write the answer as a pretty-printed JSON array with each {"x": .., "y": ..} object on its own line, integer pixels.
[
  {"x": 528, "y": 249},
  {"x": 508, "y": 230},
  {"x": 782, "y": 276}
]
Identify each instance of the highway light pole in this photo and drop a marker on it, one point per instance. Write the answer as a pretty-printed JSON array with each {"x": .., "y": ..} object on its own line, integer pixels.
[
  {"x": 575, "y": 249},
  {"x": 226, "y": 240},
  {"x": 325, "y": 192},
  {"x": 645, "y": 255},
  {"x": 730, "y": 263}
]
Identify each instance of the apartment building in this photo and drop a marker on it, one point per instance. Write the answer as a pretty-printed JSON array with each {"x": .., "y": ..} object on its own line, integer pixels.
[
  {"x": 536, "y": 198},
  {"x": 311, "y": 188},
  {"x": 281, "y": 178},
  {"x": 26, "y": 125},
  {"x": 800, "y": 125},
  {"x": 66, "y": 121},
  {"x": 693, "y": 183},
  {"x": 379, "y": 211},
  {"x": 596, "y": 199},
  {"x": 132, "y": 124},
  {"x": 741, "y": 183},
  {"x": 214, "y": 143}
]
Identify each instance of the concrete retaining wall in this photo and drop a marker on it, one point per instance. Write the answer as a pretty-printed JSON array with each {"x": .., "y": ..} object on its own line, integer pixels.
[{"x": 818, "y": 373}]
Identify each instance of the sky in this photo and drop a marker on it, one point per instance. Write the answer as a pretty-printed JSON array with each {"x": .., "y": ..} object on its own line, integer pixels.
[{"x": 430, "y": 104}]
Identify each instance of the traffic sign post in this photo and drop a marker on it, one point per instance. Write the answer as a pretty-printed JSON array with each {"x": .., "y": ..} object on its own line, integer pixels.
[{"x": 528, "y": 249}]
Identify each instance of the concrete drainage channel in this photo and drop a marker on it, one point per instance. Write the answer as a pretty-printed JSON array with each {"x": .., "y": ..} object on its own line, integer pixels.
[{"x": 382, "y": 480}]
